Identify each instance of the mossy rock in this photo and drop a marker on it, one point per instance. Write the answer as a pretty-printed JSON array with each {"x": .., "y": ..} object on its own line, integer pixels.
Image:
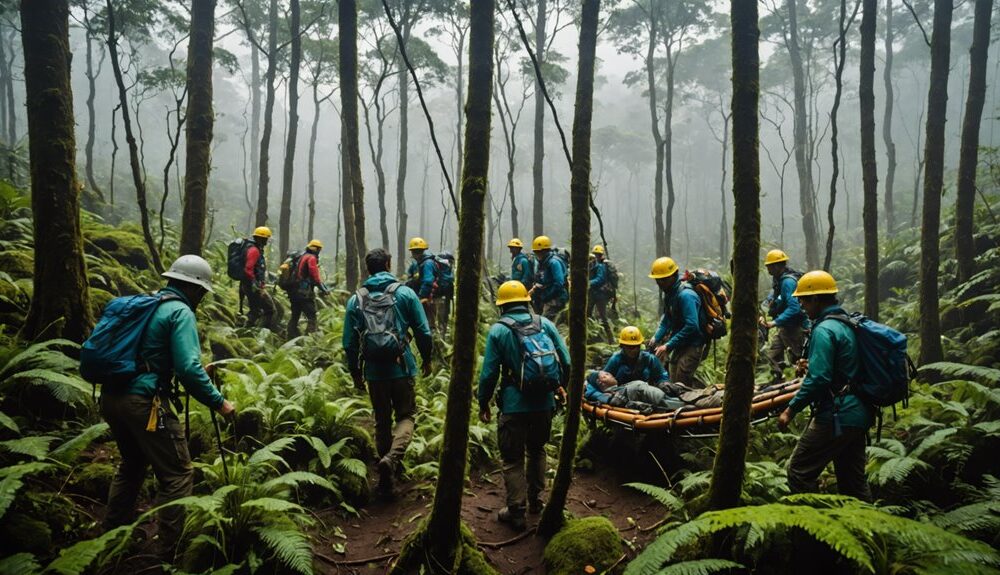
[
  {"x": 21, "y": 532},
  {"x": 93, "y": 480},
  {"x": 19, "y": 264},
  {"x": 122, "y": 244},
  {"x": 98, "y": 299},
  {"x": 591, "y": 541}
]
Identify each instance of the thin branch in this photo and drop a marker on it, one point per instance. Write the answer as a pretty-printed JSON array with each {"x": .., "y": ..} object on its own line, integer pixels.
[{"x": 917, "y": 20}]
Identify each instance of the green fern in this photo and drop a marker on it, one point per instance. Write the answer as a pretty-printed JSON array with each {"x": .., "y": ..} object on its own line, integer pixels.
[
  {"x": 36, "y": 446},
  {"x": 951, "y": 370},
  {"x": 661, "y": 495},
  {"x": 9, "y": 423},
  {"x": 70, "y": 450},
  {"x": 700, "y": 567},
  {"x": 78, "y": 558},
  {"x": 290, "y": 546},
  {"x": 20, "y": 564}
]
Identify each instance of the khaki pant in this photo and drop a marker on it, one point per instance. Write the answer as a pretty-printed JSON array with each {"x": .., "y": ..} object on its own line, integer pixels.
[
  {"x": 683, "y": 363},
  {"x": 817, "y": 447},
  {"x": 302, "y": 306},
  {"x": 786, "y": 343},
  {"x": 165, "y": 450},
  {"x": 520, "y": 435},
  {"x": 262, "y": 307},
  {"x": 551, "y": 308},
  {"x": 393, "y": 397},
  {"x": 443, "y": 312},
  {"x": 600, "y": 305}
]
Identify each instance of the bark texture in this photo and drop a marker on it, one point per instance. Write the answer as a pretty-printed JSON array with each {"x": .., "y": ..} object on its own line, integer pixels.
[
  {"x": 295, "y": 61},
  {"x": 734, "y": 431},
  {"x": 91, "y": 95},
  {"x": 890, "y": 145},
  {"x": 353, "y": 238},
  {"x": 538, "y": 163},
  {"x": 60, "y": 305},
  {"x": 200, "y": 123},
  {"x": 869, "y": 165},
  {"x": 264, "y": 155}
]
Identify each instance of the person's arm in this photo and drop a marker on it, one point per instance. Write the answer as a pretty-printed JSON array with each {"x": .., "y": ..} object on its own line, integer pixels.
[
  {"x": 599, "y": 276},
  {"x": 614, "y": 362},
  {"x": 413, "y": 313},
  {"x": 690, "y": 328},
  {"x": 662, "y": 330},
  {"x": 593, "y": 393},
  {"x": 792, "y": 311},
  {"x": 312, "y": 270},
  {"x": 185, "y": 351},
  {"x": 820, "y": 376},
  {"x": 350, "y": 340},
  {"x": 250, "y": 267},
  {"x": 657, "y": 374},
  {"x": 427, "y": 277},
  {"x": 489, "y": 373}
]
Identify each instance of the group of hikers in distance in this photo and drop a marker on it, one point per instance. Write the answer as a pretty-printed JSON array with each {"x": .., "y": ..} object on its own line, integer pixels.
[{"x": 144, "y": 345}]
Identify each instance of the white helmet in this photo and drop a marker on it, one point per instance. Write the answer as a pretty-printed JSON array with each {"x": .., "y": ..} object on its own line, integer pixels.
[{"x": 191, "y": 269}]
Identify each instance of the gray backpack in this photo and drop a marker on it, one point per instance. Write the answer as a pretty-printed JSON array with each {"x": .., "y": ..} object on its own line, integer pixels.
[{"x": 381, "y": 341}]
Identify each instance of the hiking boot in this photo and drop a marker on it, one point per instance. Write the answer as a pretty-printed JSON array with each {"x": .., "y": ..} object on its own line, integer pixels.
[
  {"x": 512, "y": 517},
  {"x": 535, "y": 506},
  {"x": 385, "y": 468}
]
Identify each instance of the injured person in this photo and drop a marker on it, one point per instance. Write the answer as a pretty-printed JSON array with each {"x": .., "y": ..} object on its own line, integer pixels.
[{"x": 602, "y": 387}]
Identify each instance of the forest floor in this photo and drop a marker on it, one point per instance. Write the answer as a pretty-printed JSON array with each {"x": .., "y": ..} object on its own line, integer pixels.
[{"x": 373, "y": 539}]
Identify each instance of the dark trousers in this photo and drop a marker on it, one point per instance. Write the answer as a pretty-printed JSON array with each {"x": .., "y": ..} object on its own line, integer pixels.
[
  {"x": 817, "y": 447},
  {"x": 302, "y": 305},
  {"x": 165, "y": 450},
  {"x": 521, "y": 437},
  {"x": 443, "y": 312},
  {"x": 261, "y": 306},
  {"x": 601, "y": 307},
  {"x": 393, "y": 397}
]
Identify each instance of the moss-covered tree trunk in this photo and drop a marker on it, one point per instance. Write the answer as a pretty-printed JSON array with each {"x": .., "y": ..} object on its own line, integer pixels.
[
  {"x": 890, "y": 145},
  {"x": 200, "y": 123},
  {"x": 734, "y": 431},
  {"x": 968, "y": 159},
  {"x": 930, "y": 241},
  {"x": 60, "y": 305},
  {"x": 264, "y": 155},
  {"x": 552, "y": 517},
  {"x": 348, "y": 60},
  {"x": 538, "y": 162},
  {"x": 438, "y": 543},
  {"x": 803, "y": 162},
  {"x": 349, "y": 118},
  {"x": 285, "y": 212},
  {"x": 138, "y": 176},
  {"x": 869, "y": 166}
]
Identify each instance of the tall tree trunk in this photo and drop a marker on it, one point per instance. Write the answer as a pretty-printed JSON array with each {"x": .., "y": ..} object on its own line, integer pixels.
[
  {"x": 965, "y": 251},
  {"x": 404, "y": 139},
  {"x": 890, "y": 145},
  {"x": 349, "y": 119},
  {"x": 537, "y": 174},
  {"x": 91, "y": 116},
  {"x": 459, "y": 106},
  {"x": 60, "y": 305},
  {"x": 869, "y": 167},
  {"x": 803, "y": 163},
  {"x": 724, "y": 222},
  {"x": 138, "y": 179},
  {"x": 439, "y": 541},
  {"x": 263, "y": 177},
  {"x": 200, "y": 123},
  {"x": 734, "y": 431},
  {"x": 552, "y": 516},
  {"x": 840, "y": 56},
  {"x": 668, "y": 151},
  {"x": 254, "y": 117},
  {"x": 654, "y": 124},
  {"x": 352, "y": 262},
  {"x": 376, "y": 147},
  {"x": 930, "y": 240},
  {"x": 11, "y": 108},
  {"x": 312, "y": 161},
  {"x": 285, "y": 215}
]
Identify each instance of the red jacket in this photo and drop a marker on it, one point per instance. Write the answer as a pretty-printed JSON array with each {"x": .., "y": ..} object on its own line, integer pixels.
[
  {"x": 309, "y": 269},
  {"x": 253, "y": 269}
]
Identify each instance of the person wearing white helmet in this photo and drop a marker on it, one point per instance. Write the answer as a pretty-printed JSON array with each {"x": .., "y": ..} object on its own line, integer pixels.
[{"x": 146, "y": 429}]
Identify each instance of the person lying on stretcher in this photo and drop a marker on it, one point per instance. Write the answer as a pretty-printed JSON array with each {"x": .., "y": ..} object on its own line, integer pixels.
[{"x": 602, "y": 387}]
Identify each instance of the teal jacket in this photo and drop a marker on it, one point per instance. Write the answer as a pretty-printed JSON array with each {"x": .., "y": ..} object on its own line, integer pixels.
[
  {"x": 682, "y": 319},
  {"x": 521, "y": 270},
  {"x": 171, "y": 347},
  {"x": 785, "y": 308},
  {"x": 503, "y": 354},
  {"x": 551, "y": 275},
  {"x": 646, "y": 368},
  {"x": 833, "y": 362},
  {"x": 409, "y": 318},
  {"x": 425, "y": 273}
]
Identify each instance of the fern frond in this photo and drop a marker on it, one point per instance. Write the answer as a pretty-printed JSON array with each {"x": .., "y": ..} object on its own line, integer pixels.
[
  {"x": 77, "y": 559},
  {"x": 355, "y": 467},
  {"x": 898, "y": 470},
  {"x": 69, "y": 450},
  {"x": 661, "y": 495},
  {"x": 273, "y": 505},
  {"x": 270, "y": 452},
  {"x": 9, "y": 423},
  {"x": 951, "y": 370},
  {"x": 294, "y": 478},
  {"x": 21, "y": 564},
  {"x": 290, "y": 546},
  {"x": 36, "y": 446},
  {"x": 700, "y": 567}
]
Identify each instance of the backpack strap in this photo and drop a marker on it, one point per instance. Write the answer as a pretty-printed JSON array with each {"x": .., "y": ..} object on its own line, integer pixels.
[{"x": 362, "y": 295}]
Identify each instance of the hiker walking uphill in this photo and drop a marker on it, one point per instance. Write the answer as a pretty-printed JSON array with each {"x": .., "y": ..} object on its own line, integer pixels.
[
  {"x": 136, "y": 401},
  {"x": 550, "y": 279},
  {"x": 529, "y": 358},
  {"x": 380, "y": 320},
  {"x": 840, "y": 418},
  {"x": 433, "y": 278},
  {"x": 680, "y": 339},
  {"x": 299, "y": 276},
  {"x": 602, "y": 288},
  {"x": 522, "y": 269},
  {"x": 248, "y": 265},
  {"x": 787, "y": 318}
]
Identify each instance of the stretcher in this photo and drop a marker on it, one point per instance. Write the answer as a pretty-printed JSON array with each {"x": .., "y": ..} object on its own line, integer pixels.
[{"x": 690, "y": 420}]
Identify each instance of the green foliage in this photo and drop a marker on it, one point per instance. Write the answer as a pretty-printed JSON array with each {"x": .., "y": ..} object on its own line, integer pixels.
[{"x": 592, "y": 541}]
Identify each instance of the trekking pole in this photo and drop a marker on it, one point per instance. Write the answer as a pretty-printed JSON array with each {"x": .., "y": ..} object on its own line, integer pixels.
[{"x": 218, "y": 433}]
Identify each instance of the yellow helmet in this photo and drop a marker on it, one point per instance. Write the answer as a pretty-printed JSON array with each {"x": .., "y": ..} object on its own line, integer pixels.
[
  {"x": 815, "y": 283},
  {"x": 262, "y": 232},
  {"x": 775, "y": 256},
  {"x": 418, "y": 244},
  {"x": 663, "y": 268},
  {"x": 515, "y": 243},
  {"x": 630, "y": 335},
  {"x": 598, "y": 249},
  {"x": 314, "y": 244},
  {"x": 511, "y": 292},
  {"x": 541, "y": 243}
]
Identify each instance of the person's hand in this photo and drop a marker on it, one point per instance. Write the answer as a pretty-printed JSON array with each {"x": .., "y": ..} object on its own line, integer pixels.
[
  {"x": 650, "y": 344},
  {"x": 762, "y": 322},
  {"x": 769, "y": 324},
  {"x": 427, "y": 369},
  {"x": 784, "y": 419},
  {"x": 227, "y": 409},
  {"x": 210, "y": 370},
  {"x": 801, "y": 367},
  {"x": 359, "y": 381},
  {"x": 485, "y": 416},
  {"x": 561, "y": 396},
  {"x": 661, "y": 352},
  {"x": 425, "y": 300}
]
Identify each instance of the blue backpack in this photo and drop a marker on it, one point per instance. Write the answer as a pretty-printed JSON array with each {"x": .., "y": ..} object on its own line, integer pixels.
[
  {"x": 885, "y": 369},
  {"x": 541, "y": 371},
  {"x": 111, "y": 355}
]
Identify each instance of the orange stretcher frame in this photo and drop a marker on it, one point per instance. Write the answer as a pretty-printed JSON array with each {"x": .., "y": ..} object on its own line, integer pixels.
[{"x": 689, "y": 418}]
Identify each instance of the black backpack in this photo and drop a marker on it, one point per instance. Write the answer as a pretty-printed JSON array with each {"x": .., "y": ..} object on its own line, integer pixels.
[
  {"x": 613, "y": 276},
  {"x": 236, "y": 258},
  {"x": 288, "y": 271},
  {"x": 380, "y": 338}
]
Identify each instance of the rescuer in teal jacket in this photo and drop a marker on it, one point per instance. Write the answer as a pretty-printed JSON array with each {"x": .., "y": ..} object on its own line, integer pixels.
[
  {"x": 788, "y": 321},
  {"x": 521, "y": 267},
  {"x": 840, "y": 420},
  {"x": 680, "y": 325},
  {"x": 525, "y": 421}
]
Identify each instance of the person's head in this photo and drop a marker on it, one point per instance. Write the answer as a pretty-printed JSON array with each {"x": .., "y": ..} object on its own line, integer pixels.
[
  {"x": 541, "y": 246},
  {"x": 630, "y": 339},
  {"x": 601, "y": 380},
  {"x": 817, "y": 290},
  {"x": 775, "y": 262},
  {"x": 378, "y": 260},
  {"x": 261, "y": 235},
  {"x": 666, "y": 273},
  {"x": 314, "y": 246},
  {"x": 511, "y": 294},
  {"x": 598, "y": 252},
  {"x": 192, "y": 276},
  {"x": 417, "y": 247},
  {"x": 515, "y": 246}
]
